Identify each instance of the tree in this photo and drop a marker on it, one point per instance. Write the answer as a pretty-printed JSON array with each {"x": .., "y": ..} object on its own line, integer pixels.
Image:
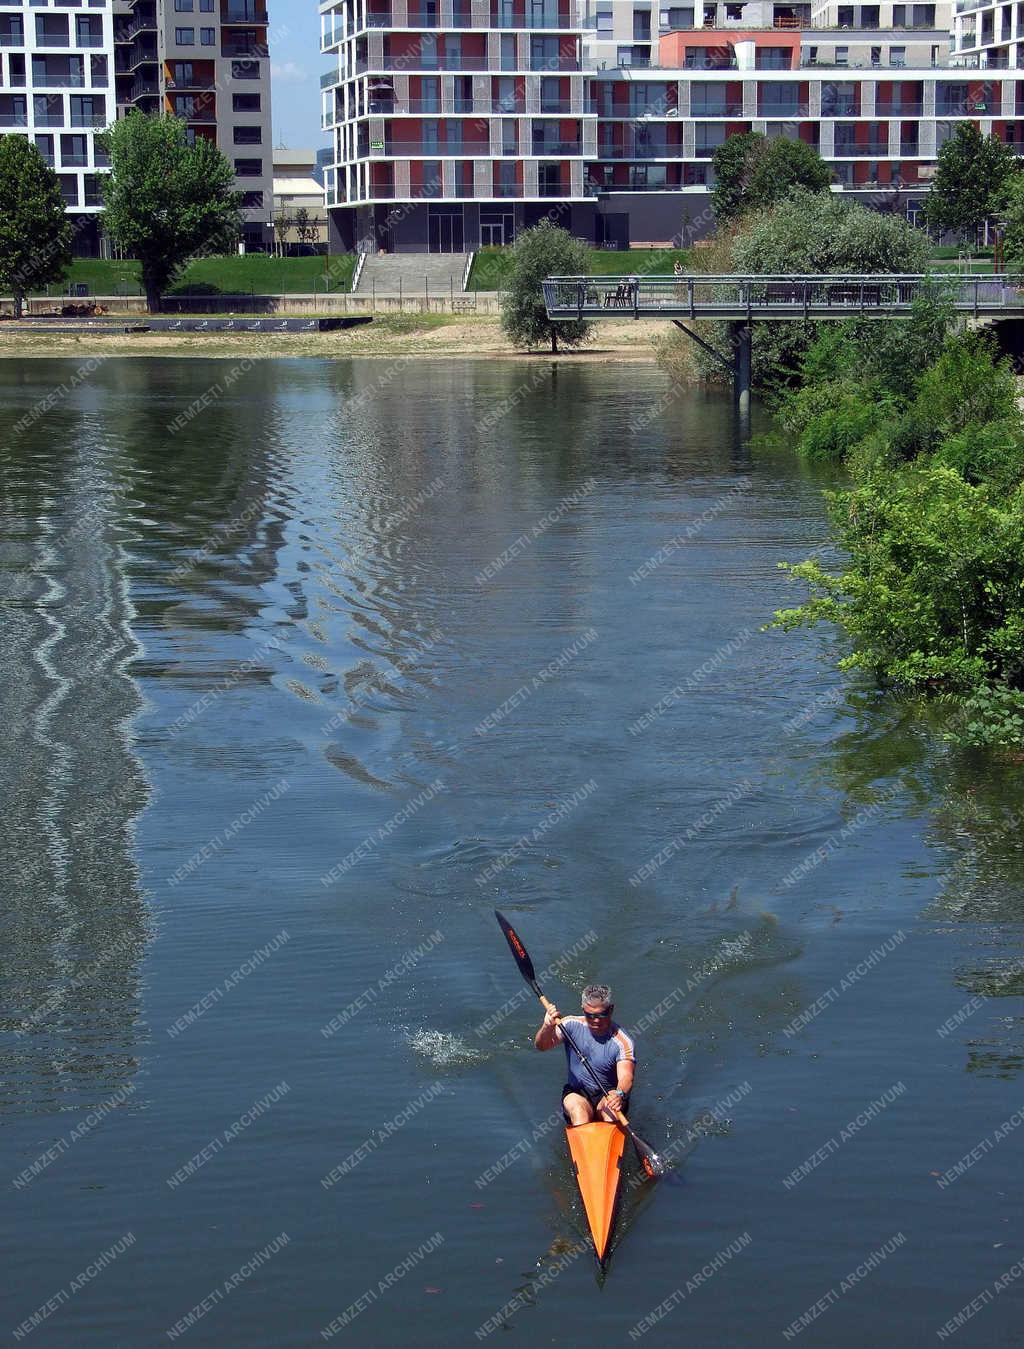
[
  {"x": 282, "y": 224},
  {"x": 812, "y": 232},
  {"x": 545, "y": 250},
  {"x": 753, "y": 171},
  {"x": 971, "y": 173},
  {"x": 305, "y": 227},
  {"x": 35, "y": 233},
  {"x": 1010, "y": 209},
  {"x": 164, "y": 200}
]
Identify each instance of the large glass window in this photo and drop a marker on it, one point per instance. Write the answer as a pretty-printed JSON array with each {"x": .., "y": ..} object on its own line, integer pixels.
[{"x": 185, "y": 37}]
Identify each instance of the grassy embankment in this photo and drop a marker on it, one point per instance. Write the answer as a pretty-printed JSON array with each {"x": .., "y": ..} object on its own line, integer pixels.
[{"x": 251, "y": 273}]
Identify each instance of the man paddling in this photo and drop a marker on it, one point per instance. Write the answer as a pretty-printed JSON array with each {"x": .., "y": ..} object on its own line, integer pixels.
[{"x": 608, "y": 1048}]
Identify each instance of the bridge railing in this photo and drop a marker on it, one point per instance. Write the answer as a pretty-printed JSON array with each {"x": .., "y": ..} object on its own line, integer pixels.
[{"x": 704, "y": 295}]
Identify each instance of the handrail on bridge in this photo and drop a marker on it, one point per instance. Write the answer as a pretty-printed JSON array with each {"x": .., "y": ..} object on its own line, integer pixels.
[{"x": 750, "y": 296}]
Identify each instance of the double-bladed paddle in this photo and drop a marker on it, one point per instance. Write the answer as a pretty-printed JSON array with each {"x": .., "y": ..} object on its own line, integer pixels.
[{"x": 649, "y": 1159}]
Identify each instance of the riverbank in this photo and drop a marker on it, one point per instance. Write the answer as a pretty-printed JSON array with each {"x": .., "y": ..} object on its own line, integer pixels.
[{"x": 424, "y": 336}]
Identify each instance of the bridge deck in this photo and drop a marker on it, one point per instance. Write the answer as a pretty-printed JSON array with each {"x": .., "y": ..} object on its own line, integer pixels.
[{"x": 796, "y": 298}]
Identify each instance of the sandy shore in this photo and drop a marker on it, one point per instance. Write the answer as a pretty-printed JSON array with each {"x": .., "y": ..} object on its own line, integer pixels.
[{"x": 424, "y": 337}]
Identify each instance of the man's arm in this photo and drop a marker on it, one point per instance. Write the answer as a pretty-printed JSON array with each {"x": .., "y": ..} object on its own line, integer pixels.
[{"x": 546, "y": 1037}]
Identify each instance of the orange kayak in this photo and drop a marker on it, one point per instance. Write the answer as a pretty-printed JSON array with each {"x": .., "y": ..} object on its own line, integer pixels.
[{"x": 596, "y": 1151}]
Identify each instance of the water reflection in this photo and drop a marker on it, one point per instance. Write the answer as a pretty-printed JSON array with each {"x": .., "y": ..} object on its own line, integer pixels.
[{"x": 74, "y": 927}]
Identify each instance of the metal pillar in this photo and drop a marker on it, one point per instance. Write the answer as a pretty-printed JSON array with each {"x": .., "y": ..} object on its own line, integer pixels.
[{"x": 740, "y": 334}]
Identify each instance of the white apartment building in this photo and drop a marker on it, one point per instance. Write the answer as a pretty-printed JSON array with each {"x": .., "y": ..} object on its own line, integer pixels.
[{"x": 56, "y": 87}]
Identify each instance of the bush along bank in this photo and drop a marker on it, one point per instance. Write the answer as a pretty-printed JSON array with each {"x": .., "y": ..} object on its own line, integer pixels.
[{"x": 924, "y": 417}]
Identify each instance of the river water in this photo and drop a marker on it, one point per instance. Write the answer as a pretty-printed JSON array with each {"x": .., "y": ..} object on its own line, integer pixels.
[{"x": 306, "y": 667}]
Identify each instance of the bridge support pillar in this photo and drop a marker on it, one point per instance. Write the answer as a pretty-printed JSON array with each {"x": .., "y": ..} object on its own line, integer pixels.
[{"x": 740, "y": 338}]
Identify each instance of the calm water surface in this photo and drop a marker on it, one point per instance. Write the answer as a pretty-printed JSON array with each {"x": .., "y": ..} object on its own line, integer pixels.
[{"x": 294, "y": 695}]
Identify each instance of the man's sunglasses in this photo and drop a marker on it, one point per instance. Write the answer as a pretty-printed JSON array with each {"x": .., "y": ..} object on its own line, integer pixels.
[{"x": 598, "y": 1016}]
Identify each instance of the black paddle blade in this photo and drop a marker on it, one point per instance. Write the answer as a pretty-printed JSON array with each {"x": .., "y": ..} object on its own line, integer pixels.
[
  {"x": 649, "y": 1159},
  {"x": 518, "y": 949}
]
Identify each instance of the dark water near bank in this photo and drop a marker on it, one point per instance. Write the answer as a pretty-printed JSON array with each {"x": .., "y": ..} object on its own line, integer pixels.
[{"x": 293, "y": 696}]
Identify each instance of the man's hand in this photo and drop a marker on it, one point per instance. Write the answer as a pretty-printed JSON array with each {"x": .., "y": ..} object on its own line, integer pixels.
[
  {"x": 546, "y": 1037},
  {"x": 610, "y": 1101}
]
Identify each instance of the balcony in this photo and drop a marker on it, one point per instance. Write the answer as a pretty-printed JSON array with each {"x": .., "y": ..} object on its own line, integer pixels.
[
  {"x": 899, "y": 109},
  {"x": 194, "y": 83},
  {"x": 866, "y": 150},
  {"x": 143, "y": 89},
  {"x": 244, "y": 14},
  {"x": 840, "y": 107},
  {"x": 718, "y": 110},
  {"x": 432, "y": 150},
  {"x": 143, "y": 56},
  {"x": 331, "y": 78},
  {"x": 664, "y": 151},
  {"x": 252, "y": 50},
  {"x": 552, "y": 149},
  {"x": 143, "y": 24},
  {"x": 782, "y": 112}
]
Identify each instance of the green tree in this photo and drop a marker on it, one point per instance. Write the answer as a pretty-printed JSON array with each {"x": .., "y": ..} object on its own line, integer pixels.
[
  {"x": 1009, "y": 208},
  {"x": 753, "y": 171},
  {"x": 305, "y": 228},
  {"x": 164, "y": 201},
  {"x": 545, "y": 250},
  {"x": 35, "y": 233},
  {"x": 282, "y": 224},
  {"x": 971, "y": 174}
]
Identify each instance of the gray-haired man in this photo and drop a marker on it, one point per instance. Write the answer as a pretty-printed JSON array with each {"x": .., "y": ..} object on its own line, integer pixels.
[{"x": 607, "y": 1046}]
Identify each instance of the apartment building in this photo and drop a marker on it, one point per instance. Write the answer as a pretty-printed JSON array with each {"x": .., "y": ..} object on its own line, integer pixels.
[
  {"x": 988, "y": 36},
  {"x": 208, "y": 62},
  {"x": 56, "y": 87},
  {"x": 456, "y": 123}
]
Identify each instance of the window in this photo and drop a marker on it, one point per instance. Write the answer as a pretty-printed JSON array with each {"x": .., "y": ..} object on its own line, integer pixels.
[
  {"x": 248, "y": 135},
  {"x": 897, "y": 56},
  {"x": 69, "y": 188},
  {"x": 207, "y": 36},
  {"x": 206, "y": 6},
  {"x": 734, "y": 12},
  {"x": 245, "y": 103},
  {"x": 604, "y": 23},
  {"x": 181, "y": 73},
  {"x": 252, "y": 201},
  {"x": 245, "y": 70},
  {"x": 98, "y": 67},
  {"x": 44, "y": 144},
  {"x": 185, "y": 37},
  {"x": 52, "y": 30},
  {"x": 183, "y": 6},
  {"x": 842, "y": 56},
  {"x": 876, "y": 56},
  {"x": 88, "y": 30},
  {"x": 624, "y": 56},
  {"x": 74, "y": 152},
  {"x": 248, "y": 168},
  {"x": 550, "y": 94},
  {"x": 844, "y": 16},
  {"x": 642, "y": 25}
]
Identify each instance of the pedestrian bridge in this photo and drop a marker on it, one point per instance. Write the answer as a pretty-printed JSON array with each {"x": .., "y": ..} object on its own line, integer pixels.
[{"x": 746, "y": 298}]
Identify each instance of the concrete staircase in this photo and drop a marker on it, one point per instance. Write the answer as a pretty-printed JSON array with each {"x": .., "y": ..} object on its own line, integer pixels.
[{"x": 413, "y": 274}]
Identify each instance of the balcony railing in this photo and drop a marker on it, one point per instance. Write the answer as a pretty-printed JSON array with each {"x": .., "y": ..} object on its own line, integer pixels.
[
  {"x": 58, "y": 81},
  {"x": 255, "y": 50},
  {"x": 235, "y": 14},
  {"x": 899, "y": 109},
  {"x": 192, "y": 84},
  {"x": 139, "y": 25},
  {"x": 431, "y": 150},
  {"x": 50, "y": 119},
  {"x": 49, "y": 40},
  {"x": 16, "y": 119},
  {"x": 866, "y": 150},
  {"x": 841, "y": 107},
  {"x": 719, "y": 110},
  {"x": 93, "y": 119},
  {"x": 789, "y": 112},
  {"x": 143, "y": 89},
  {"x": 74, "y": 161},
  {"x": 12, "y": 39},
  {"x": 88, "y": 40},
  {"x": 331, "y": 77},
  {"x": 664, "y": 151},
  {"x": 145, "y": 56}
]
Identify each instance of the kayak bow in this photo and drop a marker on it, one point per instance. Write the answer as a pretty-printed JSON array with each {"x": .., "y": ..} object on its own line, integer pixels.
[{"x": 596, "y": 1150}]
